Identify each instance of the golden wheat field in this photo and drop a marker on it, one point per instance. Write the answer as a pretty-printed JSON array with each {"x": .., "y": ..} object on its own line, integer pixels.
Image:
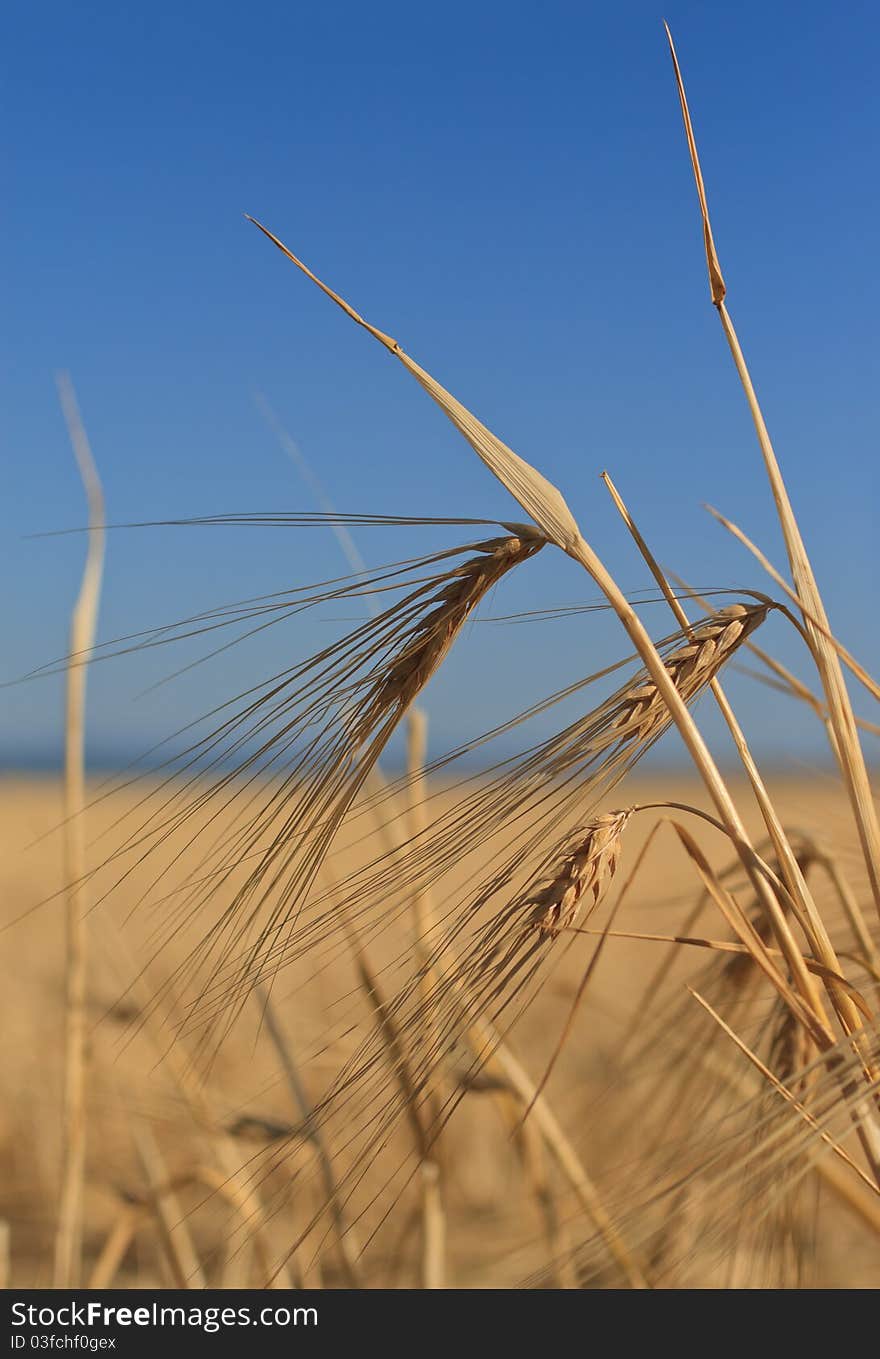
[
  {"x": 296, "y": 1002},
  {"x": 169, "y": 1157}
]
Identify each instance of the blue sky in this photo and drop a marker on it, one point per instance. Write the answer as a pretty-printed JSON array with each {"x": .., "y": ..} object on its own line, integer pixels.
[{"x": 506, "y": 190}]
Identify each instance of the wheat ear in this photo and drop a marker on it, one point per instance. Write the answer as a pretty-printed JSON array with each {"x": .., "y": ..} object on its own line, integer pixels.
[{"x": 584, "y": 877}]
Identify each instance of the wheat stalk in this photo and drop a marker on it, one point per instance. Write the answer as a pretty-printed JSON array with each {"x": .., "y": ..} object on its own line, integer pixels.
[{"x": 68, "y": 1238}]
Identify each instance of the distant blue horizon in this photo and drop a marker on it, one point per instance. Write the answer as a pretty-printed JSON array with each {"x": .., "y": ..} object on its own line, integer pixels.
[
  {"x": 509, "y": 195},
  {"x": 102, "y": 763}
]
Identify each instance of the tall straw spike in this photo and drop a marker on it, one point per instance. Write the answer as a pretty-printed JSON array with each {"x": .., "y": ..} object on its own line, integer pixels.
[
  {"x": 68, "y": 1237},
  {"x": 717, "y": 285}
]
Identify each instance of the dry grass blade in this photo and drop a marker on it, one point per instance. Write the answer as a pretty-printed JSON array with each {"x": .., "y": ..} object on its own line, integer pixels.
[
  {"x": 538, "y": 497},
  {"x": 433, "y": 1210},
  {"x": 82, "y": 635},
  {"x": 717, "y": 286}
]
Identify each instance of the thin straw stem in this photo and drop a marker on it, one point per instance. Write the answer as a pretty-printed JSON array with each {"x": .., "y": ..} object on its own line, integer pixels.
[{"x": 68, "y": 1238}]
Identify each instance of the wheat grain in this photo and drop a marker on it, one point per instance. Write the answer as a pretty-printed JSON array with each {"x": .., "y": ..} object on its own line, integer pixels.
[
  {"x": 690, "y": 666},
  {"x": 453, "y": 602},
  {"x": 586, "y": 872}
]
